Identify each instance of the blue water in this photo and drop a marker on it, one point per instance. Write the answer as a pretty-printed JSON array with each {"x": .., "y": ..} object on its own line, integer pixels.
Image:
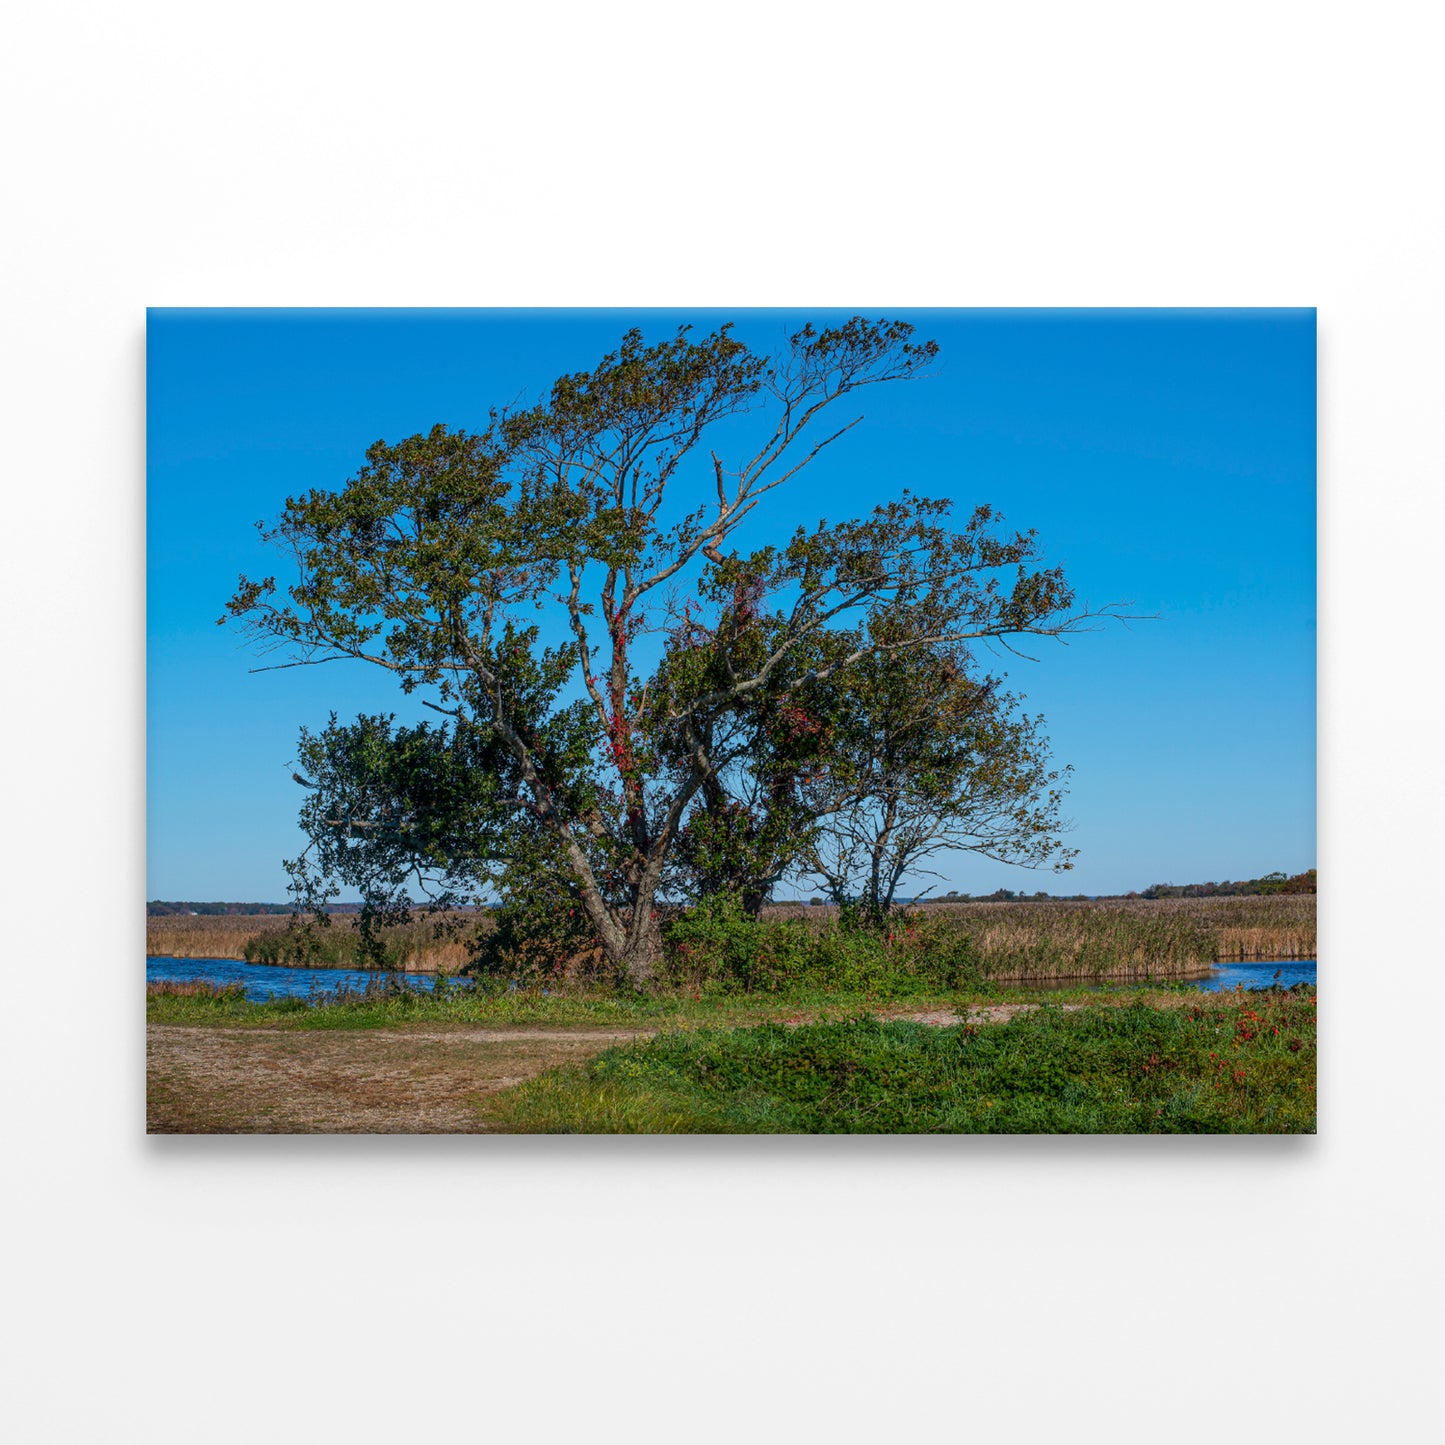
[
  {"x": 262, "y": 981},
  {"x": 1259, "y": 975}
]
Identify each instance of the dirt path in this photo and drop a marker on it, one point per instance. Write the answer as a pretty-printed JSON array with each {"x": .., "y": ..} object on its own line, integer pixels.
[
  {"x": 383, "y": 1081},
  {"x": 996, "y": 1013},
  {"x": 376, "y": 1081}
]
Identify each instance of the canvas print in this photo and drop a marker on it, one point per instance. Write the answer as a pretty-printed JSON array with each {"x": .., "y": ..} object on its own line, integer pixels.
[{"x": 834, "y": 721}]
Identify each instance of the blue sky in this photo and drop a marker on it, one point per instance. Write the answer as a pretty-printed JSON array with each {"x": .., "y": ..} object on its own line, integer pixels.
[{"x": 1167, "y": 459}]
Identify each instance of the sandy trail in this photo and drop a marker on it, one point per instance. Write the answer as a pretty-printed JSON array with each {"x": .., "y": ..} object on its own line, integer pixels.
[{"x": 383, "y": 1081}]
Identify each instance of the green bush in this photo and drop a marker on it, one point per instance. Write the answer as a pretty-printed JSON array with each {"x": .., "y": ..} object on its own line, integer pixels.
[
  {"x": 717, "y": 947},
  {"x": 539, "y": 939},
  {"x": 305, "y": 946}
]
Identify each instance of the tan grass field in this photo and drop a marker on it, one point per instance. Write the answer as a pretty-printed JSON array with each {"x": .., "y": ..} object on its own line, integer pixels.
[
  {"x": 1247, "y": 929},
  {"x": 222, "y": 936}
]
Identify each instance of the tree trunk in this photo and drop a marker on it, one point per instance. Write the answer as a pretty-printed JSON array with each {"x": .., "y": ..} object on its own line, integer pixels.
[{"x": 641, "y": 953}]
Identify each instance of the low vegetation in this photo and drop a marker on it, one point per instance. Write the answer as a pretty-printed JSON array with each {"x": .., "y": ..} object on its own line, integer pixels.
[
  {"x": 279, "y": 939},
  {"x": 930, "y": 949},
  {"x": 438, "y": 946},
  {"x": 936, "y": 945},
  {"x": 196, "y": 988},
  {"x": 388, "y": 1003},
  {"x": 1237, "y": 1063}
]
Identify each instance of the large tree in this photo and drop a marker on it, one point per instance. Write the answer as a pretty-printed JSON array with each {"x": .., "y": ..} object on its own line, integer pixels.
[{"x": 569, "y": 761}]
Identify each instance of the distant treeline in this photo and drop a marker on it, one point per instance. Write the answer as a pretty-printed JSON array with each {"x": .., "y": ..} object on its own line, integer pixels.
[
  {"x": 158, "y": 909},
  {"x": 1245, "y": 887},
  {"x": 1008, "y": 895},
  {"x": 1270, "y": 883}
]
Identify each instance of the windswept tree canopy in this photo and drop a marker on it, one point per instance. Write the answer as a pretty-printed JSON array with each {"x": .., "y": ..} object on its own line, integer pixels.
[{"x": 568, "y": 761}]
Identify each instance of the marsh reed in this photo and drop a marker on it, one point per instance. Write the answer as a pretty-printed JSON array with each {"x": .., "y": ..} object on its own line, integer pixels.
[
  {"x": 277, "y": 939},
  {"x": 1118, "y": 937},
  {"x": 219, "y": 936}
]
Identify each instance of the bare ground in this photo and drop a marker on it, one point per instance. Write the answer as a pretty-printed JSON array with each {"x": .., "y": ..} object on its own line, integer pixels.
[{"x": 384, "y": 1081}]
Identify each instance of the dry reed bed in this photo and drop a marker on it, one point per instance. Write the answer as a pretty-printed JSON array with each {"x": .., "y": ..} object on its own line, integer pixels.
[
  {"x": 228, "y": 936},
  {"x": 1140, "y": 930},
  {"x": 179, "y": 935}
]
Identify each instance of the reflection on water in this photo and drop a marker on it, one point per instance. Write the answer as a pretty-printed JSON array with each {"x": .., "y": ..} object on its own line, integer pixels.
[
  {"x": 263, "y": 981},
  {"x": 1277, "y": 973}
]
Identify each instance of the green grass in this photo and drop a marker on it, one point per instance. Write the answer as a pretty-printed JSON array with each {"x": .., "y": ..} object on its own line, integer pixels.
[
  {"x": 383, "y": 1006},
  {"x": 1236, "y": 1063}
]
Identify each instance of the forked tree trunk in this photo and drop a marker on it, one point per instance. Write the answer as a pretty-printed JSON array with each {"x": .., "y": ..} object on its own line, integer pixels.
[{"x": 630, "y": 938}]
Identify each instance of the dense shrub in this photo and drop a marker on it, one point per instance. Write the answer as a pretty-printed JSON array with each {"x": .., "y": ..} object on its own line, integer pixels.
[
  {"x": 542, "y": 939},
  {"x": 716, "y": 946}
]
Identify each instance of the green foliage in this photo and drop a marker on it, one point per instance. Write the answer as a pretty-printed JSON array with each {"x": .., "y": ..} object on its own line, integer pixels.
[
  {"x": 1245, "y": 1064},
  {"x": 739, "y": 848},
  {"x": 718, "y": 946},
  {"x": 306, "y": 946},
  {"x": 541, "y": 936},
  {"x": 926, "y": 757}
]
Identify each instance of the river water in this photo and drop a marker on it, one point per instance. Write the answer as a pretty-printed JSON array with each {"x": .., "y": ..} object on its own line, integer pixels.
[
  {"x": 263, "y": 981},
  {"x": 1260, "y": 975}
]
